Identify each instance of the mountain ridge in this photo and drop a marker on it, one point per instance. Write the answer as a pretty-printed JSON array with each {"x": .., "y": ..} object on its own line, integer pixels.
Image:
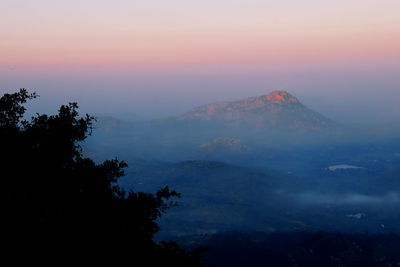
[{"x": 276, "y": 109}]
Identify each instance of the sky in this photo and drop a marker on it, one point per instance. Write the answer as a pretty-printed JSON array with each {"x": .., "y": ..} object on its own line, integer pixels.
[{"x": 161, "y": 57}]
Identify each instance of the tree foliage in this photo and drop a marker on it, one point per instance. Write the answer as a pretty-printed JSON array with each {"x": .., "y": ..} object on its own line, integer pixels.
[{"x": 63, "y": 208}]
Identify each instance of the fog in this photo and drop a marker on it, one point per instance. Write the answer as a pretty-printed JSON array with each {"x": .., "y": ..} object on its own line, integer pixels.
[
  {"x": 347, "y": 199},
  {"x": 347, "y": 95}
]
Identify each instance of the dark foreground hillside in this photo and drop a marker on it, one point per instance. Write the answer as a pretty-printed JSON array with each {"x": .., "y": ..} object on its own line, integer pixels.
[{"x": 299, "y": 249}]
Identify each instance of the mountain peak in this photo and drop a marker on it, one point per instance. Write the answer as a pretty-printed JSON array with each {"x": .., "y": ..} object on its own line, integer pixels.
[
  {"x": 280, "y": 97},
  {"x": 271, "y": 102},
  {"x": 278, "y": 109}
]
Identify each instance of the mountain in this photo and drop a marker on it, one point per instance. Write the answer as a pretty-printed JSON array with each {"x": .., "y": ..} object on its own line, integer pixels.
[
  {"x": 278, "y": 109},
  {"x": 218, "y": 130}
]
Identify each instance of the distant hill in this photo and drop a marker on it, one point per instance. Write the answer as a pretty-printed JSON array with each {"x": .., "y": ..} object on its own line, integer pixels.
[
  {"x": 238, "y": 128},
  {"x": 225, "y": 144},
  {"x": 278, "y": 109},
  {"x": 215, "y": 196}
]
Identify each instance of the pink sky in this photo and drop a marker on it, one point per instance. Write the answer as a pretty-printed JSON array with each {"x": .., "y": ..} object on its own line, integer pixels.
[
  {"x": 198, "y": 32},
  {"x": 163, "y": 57}
]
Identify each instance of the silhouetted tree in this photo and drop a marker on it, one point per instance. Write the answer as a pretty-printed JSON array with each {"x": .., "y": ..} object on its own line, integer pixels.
[{"x": 63, "y": 208}]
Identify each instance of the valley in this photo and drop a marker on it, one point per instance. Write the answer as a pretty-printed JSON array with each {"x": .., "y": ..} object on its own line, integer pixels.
[{"x": 264, "y": 164}]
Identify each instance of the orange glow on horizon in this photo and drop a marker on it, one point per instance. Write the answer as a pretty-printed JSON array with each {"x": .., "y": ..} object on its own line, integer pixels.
[
  {"x": 230, "y": 50},
  {"x": 193, "y": 33}
]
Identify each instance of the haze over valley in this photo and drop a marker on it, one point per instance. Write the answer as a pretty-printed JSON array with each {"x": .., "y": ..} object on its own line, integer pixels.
[{"x": 265, "y": 163}]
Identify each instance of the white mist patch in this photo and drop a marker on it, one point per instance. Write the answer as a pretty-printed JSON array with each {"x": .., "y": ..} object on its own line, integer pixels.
[
  {"x": 350, "y": 199},
  {"x": 357, "y": 216},
  {"x": 343, "y": 167}
]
